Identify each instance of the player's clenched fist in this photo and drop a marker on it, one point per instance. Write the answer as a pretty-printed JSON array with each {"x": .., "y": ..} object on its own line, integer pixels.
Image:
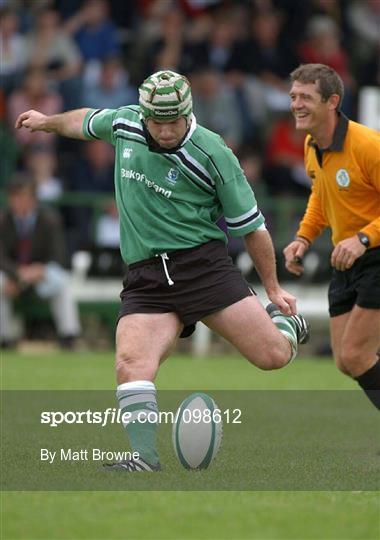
[
  {"x": 294, "y": 253},
  {"x": 32, "y": 120}
]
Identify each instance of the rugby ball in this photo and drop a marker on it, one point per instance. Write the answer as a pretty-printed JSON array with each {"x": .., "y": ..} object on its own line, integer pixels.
[{"x": 197, "y": 431}]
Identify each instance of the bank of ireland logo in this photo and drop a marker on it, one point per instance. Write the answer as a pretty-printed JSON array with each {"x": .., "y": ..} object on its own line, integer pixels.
[
  {"x": 172, "y": 176},
  {"x": 127, "y": 153},
  {"x": 342, "y": 178}
]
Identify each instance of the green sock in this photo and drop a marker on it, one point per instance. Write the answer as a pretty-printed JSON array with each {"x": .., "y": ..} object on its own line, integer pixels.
[
  {"x": 287, "y": 327},
  {"x": 138, "y": 398}
]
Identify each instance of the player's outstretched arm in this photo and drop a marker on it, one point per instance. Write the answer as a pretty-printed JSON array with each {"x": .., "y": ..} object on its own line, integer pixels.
[{"x": 68, "y": 124}]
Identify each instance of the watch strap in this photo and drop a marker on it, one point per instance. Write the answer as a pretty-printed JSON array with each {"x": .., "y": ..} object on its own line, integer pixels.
[{"x": 364, "y": 240}]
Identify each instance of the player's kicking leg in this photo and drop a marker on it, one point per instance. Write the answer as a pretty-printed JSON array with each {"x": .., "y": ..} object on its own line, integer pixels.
[{"x": 269, "y": 342}]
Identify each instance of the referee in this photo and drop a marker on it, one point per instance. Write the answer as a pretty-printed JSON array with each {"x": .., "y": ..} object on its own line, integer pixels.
[{"x": 342, "y": 158}]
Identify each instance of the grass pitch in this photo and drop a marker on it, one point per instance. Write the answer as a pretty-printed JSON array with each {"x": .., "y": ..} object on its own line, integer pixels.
[{"x": 188, "y": 515}]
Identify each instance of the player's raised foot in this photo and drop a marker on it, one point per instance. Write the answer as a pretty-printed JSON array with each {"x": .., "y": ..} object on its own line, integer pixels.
[
  {"x": 132, "y": 465},
  {"x": 301, "y": 324}
]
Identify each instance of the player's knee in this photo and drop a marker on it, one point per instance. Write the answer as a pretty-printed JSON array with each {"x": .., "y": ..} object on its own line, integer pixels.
[
  {"x": 339, "y": 362},
  {"x": 130, "y": 366},
  {"x": 350, "y": 360},
  {"x": 274, "y": 358},
  {"x": 125, "y": 362}
]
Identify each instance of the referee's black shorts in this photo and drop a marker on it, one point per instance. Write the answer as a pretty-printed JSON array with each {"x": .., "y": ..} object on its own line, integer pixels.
[
  {"x": 359, "y": 285},
  {"x": 205, "y": 281}
]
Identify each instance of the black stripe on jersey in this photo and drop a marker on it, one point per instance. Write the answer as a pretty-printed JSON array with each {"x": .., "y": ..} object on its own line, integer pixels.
[
  {"x": 187, "y": 176},
  {"x": 128, "y": 129},
  {"x": 131, "y": 139},
  {"x": 194, "y": 169},
  {"x": 243, "y": 221},
  {"x": 210, "y": 158},
  {"x": 88, "y": 123}
]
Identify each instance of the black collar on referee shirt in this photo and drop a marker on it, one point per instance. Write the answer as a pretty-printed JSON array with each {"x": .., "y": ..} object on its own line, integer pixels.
[{"x": 338, "y": 139}]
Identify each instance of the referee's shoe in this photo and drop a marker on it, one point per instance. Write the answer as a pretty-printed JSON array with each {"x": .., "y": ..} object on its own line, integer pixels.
[{"x": 301, "y": 324}]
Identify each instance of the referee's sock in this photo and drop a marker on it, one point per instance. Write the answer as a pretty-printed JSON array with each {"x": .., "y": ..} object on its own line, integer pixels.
[
  {"x": 138, "y": 400},
  {"x": 370, "y": 382}
]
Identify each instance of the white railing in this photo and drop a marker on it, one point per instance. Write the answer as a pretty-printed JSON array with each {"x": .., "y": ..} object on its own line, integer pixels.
[{"x": 311, "y": 302}]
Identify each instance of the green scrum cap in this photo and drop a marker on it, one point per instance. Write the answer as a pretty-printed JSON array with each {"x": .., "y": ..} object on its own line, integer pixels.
[{"x": 165, "y": 95}]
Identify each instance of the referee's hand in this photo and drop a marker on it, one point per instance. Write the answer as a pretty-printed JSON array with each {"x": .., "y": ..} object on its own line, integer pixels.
[
  {"x": 293, "y": 254},
  {"x": 346, "y": 252}
]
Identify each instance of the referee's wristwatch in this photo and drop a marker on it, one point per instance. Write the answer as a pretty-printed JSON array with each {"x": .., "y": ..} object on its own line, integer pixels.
[{"x": 363, "y": 239}]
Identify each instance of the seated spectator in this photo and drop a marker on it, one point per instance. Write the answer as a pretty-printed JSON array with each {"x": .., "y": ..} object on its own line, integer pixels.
[
  {"x": 108, "y": 227},
  {"x": 32, "y": 261},
  {"x": 112, "y": 90},
  {"x": 166, "y": 50},
  {"x": 41, "y": 163},
  {"x": 49, "y": 48},
  {"x": 284, "y": 169},
  {"x": 33, "y": 94},
  {"x": 368, "y": 71},
  {"x": 251, "y": 163},
  {"x": 95, "y": 34},
  {"x": 323, "y": 46},
  {"x": 92, "y": 174},
  {"x": 364, "y": 19},
  {"x": 216, "y": 107},
  {"x": 12, "y": 46},
  {"x": 259, "y": 70},
  {"x": 208, "y": 42},
  {"x": 218, "y": 50},
  {"x": 8, "y": 146}
]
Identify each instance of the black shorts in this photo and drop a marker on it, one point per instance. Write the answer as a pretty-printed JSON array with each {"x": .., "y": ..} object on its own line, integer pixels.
[
  {"x": 205, "y": 281},
  {"x": 358, "y": 285}
]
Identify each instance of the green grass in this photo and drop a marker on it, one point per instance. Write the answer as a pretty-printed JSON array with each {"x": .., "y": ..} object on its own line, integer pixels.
[
  {"x": 188, "y": 515},
  {"x": 95, "y": 372}
]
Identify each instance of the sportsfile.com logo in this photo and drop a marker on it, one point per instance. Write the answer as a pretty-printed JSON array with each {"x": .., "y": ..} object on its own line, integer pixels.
[
  {"x": 130, "y": 174},
  {"x": 116, "y": 416}
]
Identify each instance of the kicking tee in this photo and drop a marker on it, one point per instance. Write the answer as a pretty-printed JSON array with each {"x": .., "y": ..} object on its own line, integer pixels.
[{"x": 172, "y": 200}]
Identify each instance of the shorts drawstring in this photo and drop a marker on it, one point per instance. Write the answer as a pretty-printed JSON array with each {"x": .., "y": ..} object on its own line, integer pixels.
[{"x": 164, "y": 258}]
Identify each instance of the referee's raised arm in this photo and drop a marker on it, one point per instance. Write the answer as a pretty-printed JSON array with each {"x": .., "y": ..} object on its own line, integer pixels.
[{"x": 68, "y": 124}]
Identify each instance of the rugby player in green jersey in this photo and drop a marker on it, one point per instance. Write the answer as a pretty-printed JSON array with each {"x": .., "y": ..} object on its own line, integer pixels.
[{"x": 173, "y": 180}]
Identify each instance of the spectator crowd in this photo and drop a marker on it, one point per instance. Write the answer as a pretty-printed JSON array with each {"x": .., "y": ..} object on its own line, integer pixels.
[{"x": 64, "y": 54}]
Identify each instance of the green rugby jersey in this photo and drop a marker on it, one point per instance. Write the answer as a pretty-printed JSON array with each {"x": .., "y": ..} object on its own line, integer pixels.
[{"x": 171, "y": 201}]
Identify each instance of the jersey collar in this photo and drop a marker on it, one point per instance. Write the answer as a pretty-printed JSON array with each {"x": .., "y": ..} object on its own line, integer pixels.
[
  {"x": 338, "y": 137},
  {"x": 193, "y": 127}
]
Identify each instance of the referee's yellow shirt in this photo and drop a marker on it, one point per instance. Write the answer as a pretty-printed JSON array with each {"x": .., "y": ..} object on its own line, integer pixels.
[{"x": 346, "y": 184}]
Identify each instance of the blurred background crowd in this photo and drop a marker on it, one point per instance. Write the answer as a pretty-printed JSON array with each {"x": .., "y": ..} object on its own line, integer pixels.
[{"x": 63, "y": 54}]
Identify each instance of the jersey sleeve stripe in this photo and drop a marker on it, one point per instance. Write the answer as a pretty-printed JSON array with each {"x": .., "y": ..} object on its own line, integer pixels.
[
  {"x": 184, "y": 164},
  {"x": 195, "y": 167},
  {"x": 122, "y": 123},
  {"x": 120, "y": 128},
  {"x": 127, "y": 126},
  {"x": 237, "y": 219},
  {"x": 257, "y": 217},
  {"x": 90, "y": 130},
  {"x": 209, "y": 157},
  {"x": 192, "y": 180}
]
